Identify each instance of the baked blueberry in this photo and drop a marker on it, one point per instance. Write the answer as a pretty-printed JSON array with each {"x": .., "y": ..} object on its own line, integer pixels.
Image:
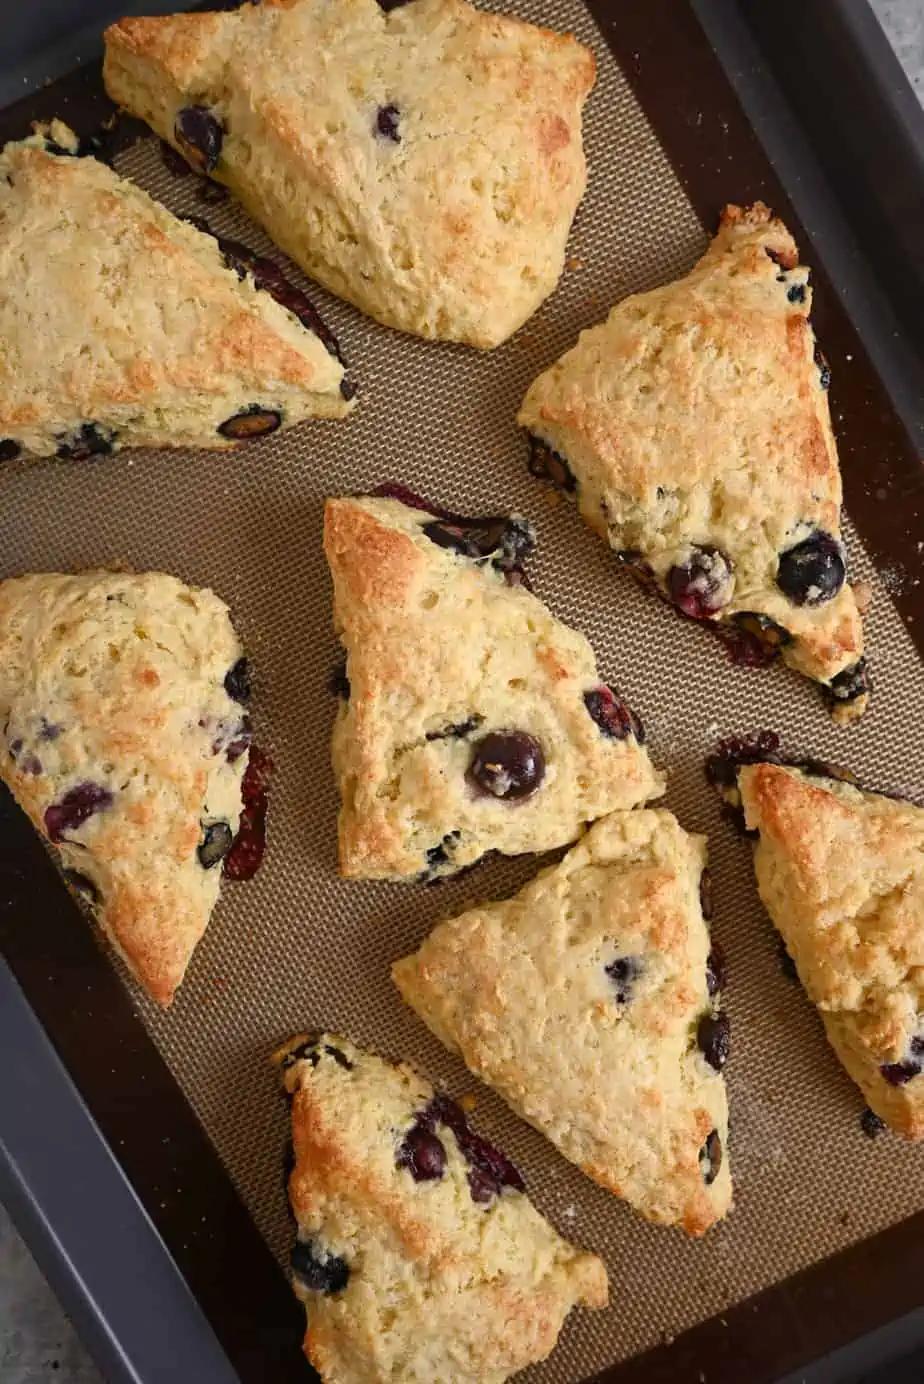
[
  {"x": 422, "y": 1153},
  {"x": 490, "y": 1170},
  {"x": 83, "y": 887},
  {"x": 506, "y": 540},
  {"x": 547, "y": 465},
  {"x": 787, "y": 965},
  {"x": 438, "y": 857},
  {"x": 615, "y": 718},
  {"x": 796, "y": 293},
  {"x": 710, "y": 1158},
  {"x": 200, "y": 135},
  {"x": 812, "y": 571},
  {"x": 871, "y": 1123},
  {"x": 386, "y": 123},
  {"x": 9, "y": 449},
  {"x": 456, "y": 730},
  {"x": 849, "y": 685},
  {"x": 715, "y": 970},
  {"x": 824, "y": 369},
  {"x": 624, "y": 972},
  {"x": 507, "y": 764},
  {"x": 318, "y": 1272},
  {"x": 215, "y": 844},
  {"x": 173, "y": 160},
  {"x": 347, "y": 387},
  {"x": 253, "y": 421},
  {"x": 765, "y": 633},
  {"x": 75, "y": 808},
  {"x": 88, "y": 441},
  {"x": 701, "y": 585},
  {"x": 339, "y": 683},
  {"x": 713, "y": 1038},
  {"x": 237, "y": 682}
]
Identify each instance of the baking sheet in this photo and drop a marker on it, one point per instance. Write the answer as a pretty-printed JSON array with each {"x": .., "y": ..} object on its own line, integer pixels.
[{"x": 298, "y": 947}]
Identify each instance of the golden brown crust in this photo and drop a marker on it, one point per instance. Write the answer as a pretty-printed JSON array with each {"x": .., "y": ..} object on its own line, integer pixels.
[
  {"x": 436, "y": 642},
  {"x": 117, "y": 682},
  {"x": 456, "y": 228},
  {"x": 602, "y": 1064},
  {"x": 841, "y": 873},
  {"x": 696, "y": 417},
  {"x": 432, "y": 1284},
  {"x": 130, "y": 320}
]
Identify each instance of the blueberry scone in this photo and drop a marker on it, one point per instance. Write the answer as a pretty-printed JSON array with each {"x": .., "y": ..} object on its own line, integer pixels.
[
  {"x": 123, "y": 326},
  {"x": 473, "y": 720},
  {"x": 841, "y": 873},
  {"x": 124, "y": 737},
  {"x": 693, "y": 429},
  {"x": 590, "y": 1003},
  {"x": 419, "y": 1258},
  {"x": 423, "y": 162}
]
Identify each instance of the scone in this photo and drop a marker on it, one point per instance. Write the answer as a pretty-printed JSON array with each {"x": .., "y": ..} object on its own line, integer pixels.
[
  {"x": 693, "y": 429},
  {"x": 423, "y": 162},
  {"x": 841, "y": 873},
  {"x": 123, "y": 326},
  {"x": 590, "y": 1003},
  {"x": 474, "y": 720},
  {"x": 123, "y": 735},
  {"x": 419, "y": 1258}
]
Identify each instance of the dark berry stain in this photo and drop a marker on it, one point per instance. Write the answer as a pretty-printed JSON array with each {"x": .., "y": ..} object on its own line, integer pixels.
[
  {"x": 616, "y": 719},
  {"x": 705, "y": 895},
  {"x": 871, "y": 1123},
  {"x": 422, "y": 1153},
  {"x": 88, "y": 441},
  {"x": 269, "y": 277},
  {"x": 849, "y": 685},
  {"x": 215, "y": 844},
  {"x": 318, "y": 1273},
  {"x": 507, "y": 764},
  {"x": 244, "y": 858},
  {"x": 734, "y": 751},
  {"x": 456, "y": 730},
  {"x": 701, "y": 586},
  {"x": 386, "y": 123},
  {"x": 623, "y": 973},
  {"x": 547, "y": 465},
  {"x": 787, "y": 965},
  {"x": 812, "y": 571},
  {"x": 75, "y": 808},
  {"x": 200, "y": 136},
  {"x": 710, "y": 1158},
  {"x": 241, "y": 738},
  {"x": 237, "y": 682},
  {"x": 713, "y": 1038},
  {"x": 9, "y": 449},
  {"x": 252, "y": 421}
]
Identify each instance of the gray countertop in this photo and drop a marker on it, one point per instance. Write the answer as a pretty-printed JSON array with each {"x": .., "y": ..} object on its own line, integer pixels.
[{"x": 37, "y": 1342}]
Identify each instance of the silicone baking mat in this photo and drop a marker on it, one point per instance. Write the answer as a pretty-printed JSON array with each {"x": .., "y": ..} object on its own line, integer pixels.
[{"x": 300, "y": 948}]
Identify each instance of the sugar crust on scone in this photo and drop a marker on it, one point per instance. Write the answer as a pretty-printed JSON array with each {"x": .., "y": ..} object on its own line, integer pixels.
[
  {"x": 408, "y": 1280},
  {"x": 841, "y": 873},
  {"x": 441, "y": 652},
  {"x": 423, "y": 163},
  {"x": 695, "y": 421},
  {"x": 121, "y": 319},
  {"x": 580, "y": 1000},
  {"x": 119, "y": 739}
]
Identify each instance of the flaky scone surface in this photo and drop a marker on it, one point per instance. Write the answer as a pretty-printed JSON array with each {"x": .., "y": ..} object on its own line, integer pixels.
[
  {"x": 117, "y": 317},
  {"x": 841, "y": 873},
  {"x": 119, "y": 739},
  {"x": 424, "y": 164},
  {"x": 446, "y": 1278},
  {"x": 696, "y": 426},
  {"x": 579, "y": 1001},
  {"x": 441, "y": 654}
]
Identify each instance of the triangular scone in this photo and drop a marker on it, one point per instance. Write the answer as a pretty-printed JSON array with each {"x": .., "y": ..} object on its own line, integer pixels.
[
  {"x": 122, "y": 735},
  {"x": 589, "y": 1002},
  {"x": 419, "y": 1259},
  {"x": 123, "y": 326},
  {"x": 694, "y": 427},
  {"x": 423, "y": 162},
  {"x": 475, "y": 720},
  {"x": 841, "y": 873}
]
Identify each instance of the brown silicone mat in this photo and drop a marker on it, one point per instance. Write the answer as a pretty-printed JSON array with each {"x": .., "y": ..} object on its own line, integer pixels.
[{"x": 297, "y": 947}]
